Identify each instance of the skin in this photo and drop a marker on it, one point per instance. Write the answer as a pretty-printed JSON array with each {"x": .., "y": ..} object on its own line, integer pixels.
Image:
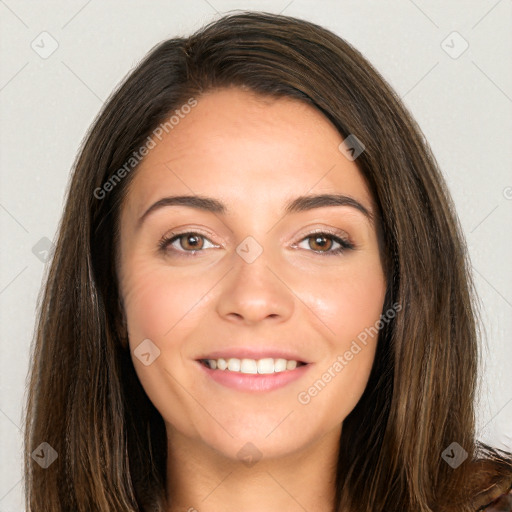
[{"x": 254, "y": 154}]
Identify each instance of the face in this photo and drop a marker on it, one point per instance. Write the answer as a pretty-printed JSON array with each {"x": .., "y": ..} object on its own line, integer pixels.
[{"x": 245, "y": 276}]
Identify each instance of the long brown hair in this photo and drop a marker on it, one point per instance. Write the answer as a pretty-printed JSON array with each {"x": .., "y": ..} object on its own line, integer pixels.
[{"x": 84, "y": 398}]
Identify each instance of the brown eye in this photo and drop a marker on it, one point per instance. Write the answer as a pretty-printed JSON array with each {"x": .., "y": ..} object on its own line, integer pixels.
[
  {"x": 327, "y": 244},
  {"x": 191, "y": 241},
  {"x": 320, "y": 243},
  {"x": 185, "y": 243}
]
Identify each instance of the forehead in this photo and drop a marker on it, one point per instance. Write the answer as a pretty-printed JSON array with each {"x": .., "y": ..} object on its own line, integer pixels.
[{"x": 240, "y": 147}]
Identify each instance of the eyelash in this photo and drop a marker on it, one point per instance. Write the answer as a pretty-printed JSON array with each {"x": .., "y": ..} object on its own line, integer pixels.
[{"x": 344, "y": 243}]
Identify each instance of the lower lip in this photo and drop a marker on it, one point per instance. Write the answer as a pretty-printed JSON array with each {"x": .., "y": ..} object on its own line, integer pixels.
[{"x": 255, "y": 382}]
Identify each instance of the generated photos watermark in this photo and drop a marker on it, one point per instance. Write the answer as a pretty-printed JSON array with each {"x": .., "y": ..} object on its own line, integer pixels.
[
  {"x": 137, "y": 156},
  {"x": 304, "y": 397}
]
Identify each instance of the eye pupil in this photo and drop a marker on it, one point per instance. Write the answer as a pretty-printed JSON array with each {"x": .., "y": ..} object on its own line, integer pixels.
[
  {"x": 321, "y": 241},
  {"x": 194, "y": 244}
]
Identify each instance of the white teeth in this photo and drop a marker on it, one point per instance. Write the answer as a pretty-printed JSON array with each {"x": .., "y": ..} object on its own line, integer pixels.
[
  {"x": 279, "y": 365},
  {"x": 291, "y": 365},
  {"x": 234, "y": 365},
  {"x": 249, "y": 366},
  {"x": 252, "y": 366},
  {"x": 221, "y": 363},
  {"x": 266, "y": 365}
]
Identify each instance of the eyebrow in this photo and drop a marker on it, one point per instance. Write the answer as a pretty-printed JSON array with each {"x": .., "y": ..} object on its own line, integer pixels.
[{"x": 299, "y": 204}]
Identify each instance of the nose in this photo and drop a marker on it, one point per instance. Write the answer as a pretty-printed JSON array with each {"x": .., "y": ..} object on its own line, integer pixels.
[{"x": 257, "y": 291}]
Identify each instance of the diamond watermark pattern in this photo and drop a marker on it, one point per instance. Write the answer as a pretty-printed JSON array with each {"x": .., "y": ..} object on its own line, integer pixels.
[
  {"x": 44, "y": 45},
  {"x": 43, "y": 249},
  {"x": 454, "y": 455},
  {"x": 44, "y": 455},
  {"x": 146, "y": 352},
  {"x": 249, "y": 454},
  {"x": 454, "y": 45},
  {"x": 351, "y": 147},
  {"x": 249, "y": 249}
]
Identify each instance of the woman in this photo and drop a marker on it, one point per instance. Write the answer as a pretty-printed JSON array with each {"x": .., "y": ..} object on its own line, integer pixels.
[{"x": 259, "y": 296}]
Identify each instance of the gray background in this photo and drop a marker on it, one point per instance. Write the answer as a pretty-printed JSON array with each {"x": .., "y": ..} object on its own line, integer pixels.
[{"x": 462, "y": 103}]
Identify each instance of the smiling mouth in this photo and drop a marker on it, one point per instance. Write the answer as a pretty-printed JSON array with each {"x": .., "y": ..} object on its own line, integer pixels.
[{"x": 252, "y": 366}]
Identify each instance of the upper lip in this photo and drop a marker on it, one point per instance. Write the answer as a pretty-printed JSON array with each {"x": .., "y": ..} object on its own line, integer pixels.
[{"x": 254, "y": 353}]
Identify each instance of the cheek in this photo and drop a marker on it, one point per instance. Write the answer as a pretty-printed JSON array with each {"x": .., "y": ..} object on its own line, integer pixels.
[
  {"x": 165, "y": 307},
  {"x": 349, "y": 300},
  {"x": 144, "y": 302},
  {"x": 156, "y": 299},
  {"x": 351, "y": 306}
]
